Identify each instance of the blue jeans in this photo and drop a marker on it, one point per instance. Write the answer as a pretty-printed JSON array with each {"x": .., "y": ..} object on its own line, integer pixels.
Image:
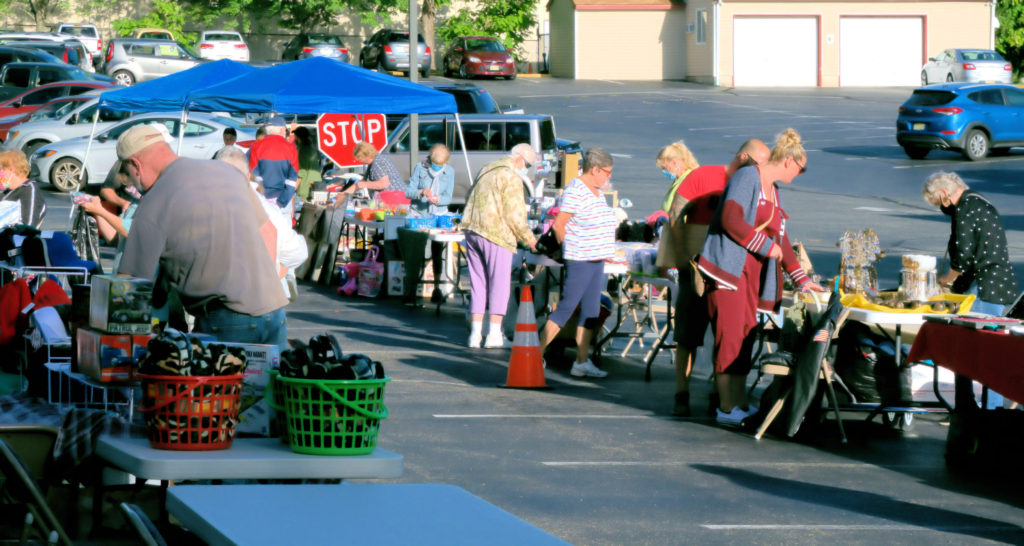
[{"x": 230, "y": 326}]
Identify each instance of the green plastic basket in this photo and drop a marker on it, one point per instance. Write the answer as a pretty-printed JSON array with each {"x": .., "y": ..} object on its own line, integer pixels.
[{"x": 331, "y": 417}]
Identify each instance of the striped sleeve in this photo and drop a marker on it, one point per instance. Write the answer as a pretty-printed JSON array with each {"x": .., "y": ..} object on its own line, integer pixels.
[{"x": 737, "y": 228}]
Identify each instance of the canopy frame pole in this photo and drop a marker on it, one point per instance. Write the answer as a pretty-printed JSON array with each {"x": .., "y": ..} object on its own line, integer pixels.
[
  {"x": 465, "y": 154},
  {"x": 181, "y": 129}
]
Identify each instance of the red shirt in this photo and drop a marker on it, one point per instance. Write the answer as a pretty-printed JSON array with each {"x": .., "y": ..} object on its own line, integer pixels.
[{"x": 703, "y": 187}]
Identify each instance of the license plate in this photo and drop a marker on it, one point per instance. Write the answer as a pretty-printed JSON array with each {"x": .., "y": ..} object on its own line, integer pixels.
[{"x": 918, "y": 127}]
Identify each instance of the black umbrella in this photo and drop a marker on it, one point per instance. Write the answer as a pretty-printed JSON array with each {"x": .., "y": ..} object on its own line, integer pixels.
[{"x": 808, "y": 364}]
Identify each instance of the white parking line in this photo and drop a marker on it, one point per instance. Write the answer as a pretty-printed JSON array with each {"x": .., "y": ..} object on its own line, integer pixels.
[
  {"x": 740, "y": 464},
  {"x": 536, "y": 416},
  {"x": 832, "y": 527},
  {"x": 625, "y": 156},
  {"x": 871, "y": 209}
]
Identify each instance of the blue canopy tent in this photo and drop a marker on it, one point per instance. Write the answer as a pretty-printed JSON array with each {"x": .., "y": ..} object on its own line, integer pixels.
[{"x": 171, "y": 92}]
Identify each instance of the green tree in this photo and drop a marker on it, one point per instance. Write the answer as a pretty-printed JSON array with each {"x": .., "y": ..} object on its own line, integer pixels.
[
  {"x": 166, "y": 14},
  {"x": 43, "y": 11},
  {"x": 511, "y": 21},
  {"x": 1010, "y": 34}
]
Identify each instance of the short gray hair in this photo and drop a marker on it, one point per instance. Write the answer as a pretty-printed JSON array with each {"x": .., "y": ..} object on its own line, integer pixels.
[
  {"x": 524, "y": 151},
  {"x": 234, "y": 157},
  {"x": 276, "y": 130},
  {"x": 596, "y": 157},
  {"x": 951, "y": 182}
]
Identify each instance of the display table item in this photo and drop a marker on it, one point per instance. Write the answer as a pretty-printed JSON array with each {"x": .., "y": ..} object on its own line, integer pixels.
[
  {"x": 191, "y": 412},
  {"x": 422, "y": 514}
]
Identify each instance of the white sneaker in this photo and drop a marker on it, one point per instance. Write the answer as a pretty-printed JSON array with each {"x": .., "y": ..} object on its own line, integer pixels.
[
  {"x": 497, "y": 342},
  {"x": 733, "y": 418},
  {"x": 474, "y": 341},
  {"x": 587, "y": 369}
]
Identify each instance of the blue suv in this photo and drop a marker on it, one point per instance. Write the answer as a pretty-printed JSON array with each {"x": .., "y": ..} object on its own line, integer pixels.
[{"x": 974, "y": 119}]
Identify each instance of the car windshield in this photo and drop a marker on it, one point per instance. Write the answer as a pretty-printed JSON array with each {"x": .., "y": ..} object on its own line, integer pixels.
[
  {"x": 476, "y": 101},
  {"x": 54, "y": 110},
  {"x": 404, "y": 37},
  {"x": 980, "y": 55},
  {"x": 929, "y": 98},
  {"x": 76, "y": 73},
  {"x": 224, "y": 37},
  {"x": 88, "y": 32},
  {"x": 484, "y": 45},
  {"x": 325, "y": 39}
]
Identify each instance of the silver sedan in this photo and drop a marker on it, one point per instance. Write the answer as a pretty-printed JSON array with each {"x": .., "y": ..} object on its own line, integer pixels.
[
  {"x": 967, "y": 65},
  {"x": 60, "y": 163}
]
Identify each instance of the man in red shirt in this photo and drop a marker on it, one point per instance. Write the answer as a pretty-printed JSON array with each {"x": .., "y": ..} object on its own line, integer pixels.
[
  {"x": 695, "y": 204},
  {"x": 275, "y": 163}
]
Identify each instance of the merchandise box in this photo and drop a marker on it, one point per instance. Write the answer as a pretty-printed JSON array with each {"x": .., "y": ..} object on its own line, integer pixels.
[
  {"x": 254, "y": 418},
  {"x": 104, "y": 357},
  {"x": 120, "y": 305}
]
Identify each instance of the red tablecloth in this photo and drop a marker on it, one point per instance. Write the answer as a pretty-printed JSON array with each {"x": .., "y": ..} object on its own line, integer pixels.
[{"x": 994, "y": 360}]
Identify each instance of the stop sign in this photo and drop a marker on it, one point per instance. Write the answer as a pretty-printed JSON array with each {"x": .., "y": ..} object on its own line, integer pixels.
[{"x": 338, "y": 134}]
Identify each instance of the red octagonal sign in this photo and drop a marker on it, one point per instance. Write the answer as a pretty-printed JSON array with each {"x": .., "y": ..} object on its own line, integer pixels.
[{"x": 338, "y": 134}]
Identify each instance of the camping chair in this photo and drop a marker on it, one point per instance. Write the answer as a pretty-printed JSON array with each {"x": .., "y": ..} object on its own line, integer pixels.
[
  {"x": 144, "y": 527},
  {"x": 806, "y": 369},
  {"x": 21, "y": 488},
  {"x": 33, "y": 443}
]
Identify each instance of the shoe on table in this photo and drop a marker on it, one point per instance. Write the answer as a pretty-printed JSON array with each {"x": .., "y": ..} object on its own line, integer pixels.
[
  {"x": 497, "y": 342},
  {"x": 474, "y": 341},
  {"x": 681, "y": 408},
  {"x": 733, "y": 418},
  {"x": 587, "y": 369}
]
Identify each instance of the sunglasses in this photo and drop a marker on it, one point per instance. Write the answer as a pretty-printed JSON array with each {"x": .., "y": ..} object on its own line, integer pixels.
[{"x": 803, "y": 168}]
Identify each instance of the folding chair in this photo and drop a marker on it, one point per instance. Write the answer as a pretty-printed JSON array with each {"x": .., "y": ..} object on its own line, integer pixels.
[
  {"x": 144, "y": 527},
  {"x": 33, "y": 443},
  {"x": 807, "y": 369},
  {"x": 21, "y": 488}
]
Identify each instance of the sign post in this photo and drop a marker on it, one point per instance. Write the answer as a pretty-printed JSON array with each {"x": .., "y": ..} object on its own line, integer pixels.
[{"x": 338, "y": 134}]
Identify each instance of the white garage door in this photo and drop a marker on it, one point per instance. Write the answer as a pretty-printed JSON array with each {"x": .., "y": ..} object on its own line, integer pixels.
[
  {"x": 866, "y": 60},
  {"x": 775, "y": 51}
]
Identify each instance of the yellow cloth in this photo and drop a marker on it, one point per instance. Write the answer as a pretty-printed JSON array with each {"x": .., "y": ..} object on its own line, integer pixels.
[{"x": 861, "y": 302}]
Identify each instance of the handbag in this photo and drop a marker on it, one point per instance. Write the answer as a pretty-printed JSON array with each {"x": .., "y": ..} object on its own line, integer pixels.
[
  {"x": 548, "y": 245},
  {"x": 371, "y": 275}
]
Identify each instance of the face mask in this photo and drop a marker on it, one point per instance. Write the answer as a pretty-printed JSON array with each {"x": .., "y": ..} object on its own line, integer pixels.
[
  {"x": 436, "y": 168},
  {"x": 524, "y": 172},
  {"x": 948, "y": 210},
  {"x": 668, "y": 174},
  {"x": 5, "y": 179}
]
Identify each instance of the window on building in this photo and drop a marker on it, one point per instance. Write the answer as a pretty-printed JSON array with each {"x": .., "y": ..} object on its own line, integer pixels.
[{"x": 702, "y": 26}]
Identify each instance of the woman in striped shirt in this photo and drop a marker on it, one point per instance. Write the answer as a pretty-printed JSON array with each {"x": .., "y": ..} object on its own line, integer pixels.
[{"x": 586, "y": 227}]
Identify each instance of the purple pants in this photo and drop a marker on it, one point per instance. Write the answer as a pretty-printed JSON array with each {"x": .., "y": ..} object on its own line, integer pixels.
[{"x": 490, "y": 275}]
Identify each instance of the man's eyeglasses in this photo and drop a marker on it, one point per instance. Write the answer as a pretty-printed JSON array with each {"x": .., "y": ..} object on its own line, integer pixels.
[{"x": 607, "y": 171}]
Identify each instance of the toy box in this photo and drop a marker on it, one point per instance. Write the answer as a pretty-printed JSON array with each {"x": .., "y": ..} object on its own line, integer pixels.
[
  {"x": 120, "y": 305},
  {"x": 105, "y": 357},
  {"x": 255, "y": 415}
]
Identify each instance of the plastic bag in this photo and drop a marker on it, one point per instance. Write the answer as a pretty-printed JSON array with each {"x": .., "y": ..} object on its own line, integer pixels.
[
  {"x": 349, "y": 274},
  {"x": 371, "y": 275}
]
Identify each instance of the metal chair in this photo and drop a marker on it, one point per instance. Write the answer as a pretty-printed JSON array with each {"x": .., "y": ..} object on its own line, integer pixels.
[
  {"x": 144, "y": 527},
  {"x": 21, "y": 488}
]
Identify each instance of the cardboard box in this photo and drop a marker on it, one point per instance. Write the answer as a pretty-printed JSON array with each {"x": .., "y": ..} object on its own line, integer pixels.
[
  {"x": 255, "y": 415},
  {"x": 120, "y": 305},
  {"x": 105, "y": 357},
  {"x": 396, "y": 278}
]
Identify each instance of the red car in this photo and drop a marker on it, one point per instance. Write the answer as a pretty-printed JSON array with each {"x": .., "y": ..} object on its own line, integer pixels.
[
  {"x": 479, "y": 56},
  {"x": 30, "y": 100},
  {"x": 45, "y": 111}
]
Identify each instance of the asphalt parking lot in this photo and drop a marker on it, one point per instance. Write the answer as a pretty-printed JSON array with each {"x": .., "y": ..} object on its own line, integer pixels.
[{"x": 601, "y": 461}]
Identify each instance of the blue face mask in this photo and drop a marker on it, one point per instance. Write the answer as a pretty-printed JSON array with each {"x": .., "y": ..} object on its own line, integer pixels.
[
  {"x": 671, "y": 177},
  {"x": 436, "y": 168}
]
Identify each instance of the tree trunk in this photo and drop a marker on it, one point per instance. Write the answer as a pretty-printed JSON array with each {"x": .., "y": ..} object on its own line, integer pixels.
[{"x": 427, "y": 14}]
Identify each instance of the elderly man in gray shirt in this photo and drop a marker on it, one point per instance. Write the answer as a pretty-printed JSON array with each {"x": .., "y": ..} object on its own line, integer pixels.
[{"x": 202, "y": 225}]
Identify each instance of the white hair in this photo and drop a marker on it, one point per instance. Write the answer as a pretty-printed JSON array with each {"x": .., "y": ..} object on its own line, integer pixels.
[
  {"x": 234, "y": 157},
  {"x": 277, "y": 130},
  {"x": 524, "y": 151}
]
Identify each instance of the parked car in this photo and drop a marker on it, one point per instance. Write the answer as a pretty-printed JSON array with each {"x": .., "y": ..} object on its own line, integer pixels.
[
  {"x": 223, "y": 44},
  {"x": 60, "y": 163},
  {"x": 478, "y": 56},
  {"x": 30, "y": 100},
  {"x": 17, "y": 53},
  {"x": 305, "y": 45},
  {"x": 74, "y": 50},
  {"x": 71, "y": 52},
  {"x": 469, "y": 99},
  {"x": 17, "y": 77},
  {"x": 388, "y": 50},
  {"x": 489, "y": 137},
  {"x": 974, "y": 119},
  {"x": 60, "y": 119},
  {"x": 130, "y": 60},
  {"x": 967, "y": 65},
  {"x": 152, "y": 34},
  {"x": 87, "y": 33}
]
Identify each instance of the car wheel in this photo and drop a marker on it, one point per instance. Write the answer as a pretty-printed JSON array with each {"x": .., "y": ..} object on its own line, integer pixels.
[
  {"x": 924, "y": 78},
  {"x": 447, "y": 70},
  {"x": 976, "y": 145},
  {"x": 380, "y": 67},
  {"x": 511, "y": 77},
  {"x": 916, "y": 152},
  {"x": 33, "y": 146},
  {"x": 425, "y": 73},
  {"x": 124, "y": 78},
  {"x": 949, "y": 78},
  {"x": 65, "y": 173},
  {"x": 462, "y": 71}
]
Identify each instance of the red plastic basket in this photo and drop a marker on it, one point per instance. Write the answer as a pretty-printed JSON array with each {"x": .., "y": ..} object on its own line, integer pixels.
[{"x": 191, "y": 413}]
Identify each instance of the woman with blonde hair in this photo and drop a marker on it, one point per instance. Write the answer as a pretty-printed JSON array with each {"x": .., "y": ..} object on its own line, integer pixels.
[
  {"x": 676, "y": 161},
  {"x": 15, "y": 187},
  {"x": 745, "y": 253}
]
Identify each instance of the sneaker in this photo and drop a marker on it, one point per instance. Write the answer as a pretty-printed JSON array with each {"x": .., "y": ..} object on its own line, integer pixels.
[
  {"x": 475, "y": 340},
  {"x": 734, "y": 418},
  {"x": 587, "y": 369},
  {"x": 681, "y": 408},
  {"x": 751, "y": 410},
  {"x": 497, "y": 342}
]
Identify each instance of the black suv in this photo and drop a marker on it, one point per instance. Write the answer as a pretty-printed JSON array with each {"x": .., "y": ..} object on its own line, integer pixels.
[
  {"x": 469, "y": 99},
  {"x": 20, "y": 54}
]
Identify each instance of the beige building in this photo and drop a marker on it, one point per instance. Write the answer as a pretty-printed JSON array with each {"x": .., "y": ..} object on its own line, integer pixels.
[{"x": 758, "y": 43}]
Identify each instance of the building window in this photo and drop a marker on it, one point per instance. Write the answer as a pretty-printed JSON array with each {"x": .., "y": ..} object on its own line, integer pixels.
[{"x": 702, "y": 26}]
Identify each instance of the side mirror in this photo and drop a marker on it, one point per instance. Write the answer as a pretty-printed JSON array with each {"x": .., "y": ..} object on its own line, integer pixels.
[
  {"x": 512, "y": 109},
  {"x": 73, "y": 119},
  {"x": 102, "y": 138},
  {"x": 16, "y": 105}
]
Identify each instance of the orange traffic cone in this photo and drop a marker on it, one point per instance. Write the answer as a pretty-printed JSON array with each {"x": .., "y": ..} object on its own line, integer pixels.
[{"x": 525, "y": 368}]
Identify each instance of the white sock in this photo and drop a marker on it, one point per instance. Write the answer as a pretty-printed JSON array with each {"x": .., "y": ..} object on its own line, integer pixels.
[
  {"x": 495, "y": 332},
  {"x": 476, "y": 328}
]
